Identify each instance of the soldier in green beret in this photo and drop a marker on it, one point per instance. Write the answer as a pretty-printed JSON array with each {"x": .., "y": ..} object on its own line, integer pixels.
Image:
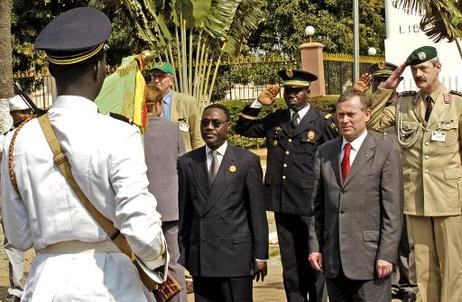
[{"x": 428, "y": 128}]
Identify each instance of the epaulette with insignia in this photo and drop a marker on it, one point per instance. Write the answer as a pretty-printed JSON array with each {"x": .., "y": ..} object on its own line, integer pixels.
[
  {"x": 119, "y": 117},
  {"x": 407, "y": 93},
  {"x": 456, "y": 92}
]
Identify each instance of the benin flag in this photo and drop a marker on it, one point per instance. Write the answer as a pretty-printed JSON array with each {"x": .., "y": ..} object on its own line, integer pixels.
[{"x": 123, "y": 92}]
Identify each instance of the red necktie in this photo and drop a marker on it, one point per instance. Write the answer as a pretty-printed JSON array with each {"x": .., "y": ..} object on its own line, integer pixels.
[{"x": 346, "y": 161}]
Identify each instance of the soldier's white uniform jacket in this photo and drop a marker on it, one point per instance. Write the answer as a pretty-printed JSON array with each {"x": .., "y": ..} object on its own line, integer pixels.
[
  {"x": 431, "y": 151},
  {"x": 107, "y": 161}
]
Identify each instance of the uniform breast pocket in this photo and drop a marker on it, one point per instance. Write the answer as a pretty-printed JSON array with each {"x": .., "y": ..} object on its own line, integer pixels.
[{"x": 448, "y": 132}]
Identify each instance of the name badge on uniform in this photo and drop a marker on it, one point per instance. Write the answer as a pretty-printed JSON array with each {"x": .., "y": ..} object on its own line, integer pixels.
[
  {"x": 183, "y": 127},
  {"x": 438, "y": 136}
]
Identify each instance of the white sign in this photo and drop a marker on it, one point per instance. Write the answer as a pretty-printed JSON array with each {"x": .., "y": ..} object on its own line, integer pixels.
[{"x": 404, "y": 35}]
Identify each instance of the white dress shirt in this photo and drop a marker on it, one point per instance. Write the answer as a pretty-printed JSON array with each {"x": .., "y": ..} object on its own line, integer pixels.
[
  {"x": 220, "y": 153},
  {"x": 107, "y": 160},
  {"x": 301, "y": 113},
  {"x": 355, "y": 145}
]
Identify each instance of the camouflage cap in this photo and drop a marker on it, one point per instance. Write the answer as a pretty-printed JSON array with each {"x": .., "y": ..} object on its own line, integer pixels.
[
  {"x": 421, "y": 54},
  {"x": 382, "y": 69}
]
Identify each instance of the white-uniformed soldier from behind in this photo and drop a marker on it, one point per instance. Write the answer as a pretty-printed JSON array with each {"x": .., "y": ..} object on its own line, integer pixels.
[
  {"x": 292, "y": 137},
  {"x": 429, "y": 131},
  {"x": 76, "y": 260},
  {"x": 19, "y": 111}
]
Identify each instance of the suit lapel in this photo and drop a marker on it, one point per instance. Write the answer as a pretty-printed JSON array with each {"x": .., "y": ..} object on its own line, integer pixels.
[
  {"x": 285, "y": 123},
  {"x": 305, "y": 122},
  {"x": 335, "y": 159},
  {"x": 418, "y": 109},
  {"x": 174, "y": 108},
  {"x": 365, "y": 153},
  {"x": 438, "y": 108},
  {"x": 199, "y": 170},
  {"x": 222, "y": 179}
]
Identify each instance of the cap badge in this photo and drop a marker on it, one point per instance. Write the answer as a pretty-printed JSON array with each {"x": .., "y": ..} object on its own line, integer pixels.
[
  {"x": 232, "y": 169},
  {"x": 310, "y": 135},
  {"x": 422, "y": 55},
  {"x": 290, "y": 73}
]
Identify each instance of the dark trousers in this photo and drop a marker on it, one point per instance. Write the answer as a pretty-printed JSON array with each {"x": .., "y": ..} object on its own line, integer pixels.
[
  {"x": 342, "y": 289},
  {"x": 223, "y": 289},
  {"x": 301, "y": 282}
]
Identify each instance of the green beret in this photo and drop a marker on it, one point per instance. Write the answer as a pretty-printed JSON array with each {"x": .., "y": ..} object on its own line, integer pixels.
[
  {"x": 296, "y": 77},
  {"x": 421, "y": 54},
  {"x": 163, "y": 67},
  {"x": 382, "y": 69}
]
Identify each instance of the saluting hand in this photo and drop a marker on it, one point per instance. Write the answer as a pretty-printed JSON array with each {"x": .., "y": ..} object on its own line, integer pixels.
[
  {"x": 268, "y": 95},
  {"x": 363, "y": 84},
  {"x": 395, "y": 78},
  {"x": 261, "y": 272},
  {"x": 384, "y": 268}
]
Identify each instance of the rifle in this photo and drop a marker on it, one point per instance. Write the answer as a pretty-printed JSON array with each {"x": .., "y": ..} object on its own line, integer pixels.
[{"x": 36, "y": 110}]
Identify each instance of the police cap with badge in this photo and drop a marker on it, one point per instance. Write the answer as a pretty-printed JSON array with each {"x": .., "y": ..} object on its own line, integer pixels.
[
  {"x": 296, "y": 77},
  {"x": 75, "y": 36}
]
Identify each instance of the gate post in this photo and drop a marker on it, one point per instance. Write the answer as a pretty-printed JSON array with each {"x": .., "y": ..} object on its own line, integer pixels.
[{"x": 312, "y": 60}]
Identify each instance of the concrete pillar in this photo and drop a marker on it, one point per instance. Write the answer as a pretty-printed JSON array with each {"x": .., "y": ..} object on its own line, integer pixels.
[{"x": 312, "y": 61}]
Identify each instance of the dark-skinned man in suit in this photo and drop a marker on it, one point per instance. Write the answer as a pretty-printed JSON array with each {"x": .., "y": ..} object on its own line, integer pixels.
[{"x": 223, "y": 227}]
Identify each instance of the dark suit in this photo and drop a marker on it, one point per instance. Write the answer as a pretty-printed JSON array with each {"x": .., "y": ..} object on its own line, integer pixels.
[
  {"x": 223, "y": 228},
  {"x": 358, "y": 221},
  {"x": 288, "y": 188}
]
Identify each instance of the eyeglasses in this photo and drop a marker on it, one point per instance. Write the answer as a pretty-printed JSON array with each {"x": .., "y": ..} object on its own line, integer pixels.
[{"x": 215, "y": 123}]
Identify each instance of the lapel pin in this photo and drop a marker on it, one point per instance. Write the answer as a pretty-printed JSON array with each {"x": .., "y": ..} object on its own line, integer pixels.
[
  {"x": 310, "y": 135},
  {"x": 232, "y": 169}
]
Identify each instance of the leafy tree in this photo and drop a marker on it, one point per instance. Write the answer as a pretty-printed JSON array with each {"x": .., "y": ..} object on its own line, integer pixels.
[
  {"x": 192, "y": 35},
  {"x": 285, "y": 20}
]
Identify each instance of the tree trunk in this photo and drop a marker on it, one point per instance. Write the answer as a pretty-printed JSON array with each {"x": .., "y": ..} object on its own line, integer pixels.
[{"x": 6, "y": 64}]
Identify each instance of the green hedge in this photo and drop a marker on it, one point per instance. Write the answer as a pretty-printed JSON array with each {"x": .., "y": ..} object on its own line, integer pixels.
[{"x": 325, "y": 104}]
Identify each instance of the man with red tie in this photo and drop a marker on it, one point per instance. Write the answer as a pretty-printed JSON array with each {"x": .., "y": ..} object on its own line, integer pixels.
[{"x": 357, "y": 207}]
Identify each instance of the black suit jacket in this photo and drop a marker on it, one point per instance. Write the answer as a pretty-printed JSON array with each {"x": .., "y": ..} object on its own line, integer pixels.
[
  {"x": 289, "y": 175},
  {"x": 223, "y": 229}
]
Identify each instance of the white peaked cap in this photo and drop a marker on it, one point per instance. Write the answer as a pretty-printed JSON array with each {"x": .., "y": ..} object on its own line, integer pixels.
[{"x": 17, "y": 103}]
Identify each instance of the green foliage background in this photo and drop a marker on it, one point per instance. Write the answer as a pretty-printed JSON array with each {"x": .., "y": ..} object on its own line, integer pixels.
[{"x": 326, "y": 104}]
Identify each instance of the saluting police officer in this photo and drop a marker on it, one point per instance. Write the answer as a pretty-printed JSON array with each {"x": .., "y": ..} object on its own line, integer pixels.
[
  {"x": 292, "y": 137},
  {"x": 429, "y": 132}
]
